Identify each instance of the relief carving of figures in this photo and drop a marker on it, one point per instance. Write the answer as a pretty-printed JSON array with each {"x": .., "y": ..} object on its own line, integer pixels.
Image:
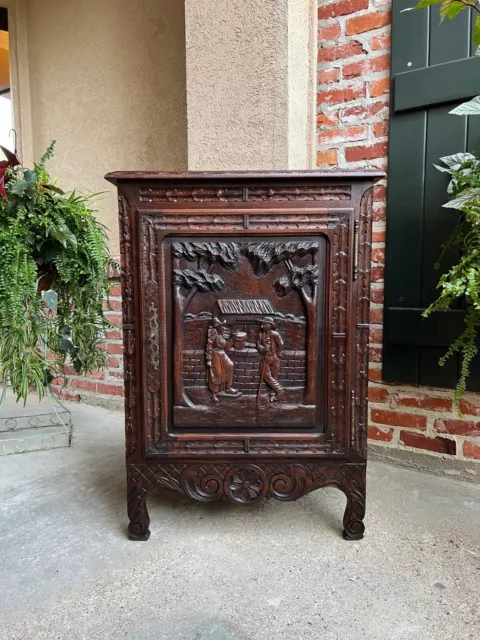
[
  {"x": 219, "y": 366},
  {"x": 270, "y": 345},
  {"x": 245, "y": 333}
]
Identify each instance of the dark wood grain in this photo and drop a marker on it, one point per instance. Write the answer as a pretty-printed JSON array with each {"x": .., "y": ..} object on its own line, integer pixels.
[{"x": 245, "y": 309}]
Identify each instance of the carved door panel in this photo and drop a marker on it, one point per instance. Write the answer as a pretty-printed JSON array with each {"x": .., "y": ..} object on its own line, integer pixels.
[{"x": 255, "y": 342}]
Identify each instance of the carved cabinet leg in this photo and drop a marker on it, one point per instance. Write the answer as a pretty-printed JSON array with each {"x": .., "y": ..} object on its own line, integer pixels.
[
  {"x": 138, "y": 528},
  {"x": 354, "y": 488}
]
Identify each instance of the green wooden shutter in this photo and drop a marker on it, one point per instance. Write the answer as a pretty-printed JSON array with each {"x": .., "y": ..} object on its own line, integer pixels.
[{"x": 432, "y": 71}]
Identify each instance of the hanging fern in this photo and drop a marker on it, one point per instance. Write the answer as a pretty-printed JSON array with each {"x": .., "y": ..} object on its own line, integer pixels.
[
  {"x": 49, "y": 240},
  {"x": 462, "y": 281}
]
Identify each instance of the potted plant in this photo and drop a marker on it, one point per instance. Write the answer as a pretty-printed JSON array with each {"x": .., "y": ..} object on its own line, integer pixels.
[{"x": 54, "y": 262}]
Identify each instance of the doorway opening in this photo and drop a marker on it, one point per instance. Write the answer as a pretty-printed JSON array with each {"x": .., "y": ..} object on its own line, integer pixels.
[{"x": 7, "y": 139}]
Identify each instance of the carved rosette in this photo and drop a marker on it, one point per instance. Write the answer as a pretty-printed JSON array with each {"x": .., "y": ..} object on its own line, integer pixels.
[
  {"x": 245, "y": 484},
  {"x": 363, "y": 318},
  {"x": 128, "y": 309}
]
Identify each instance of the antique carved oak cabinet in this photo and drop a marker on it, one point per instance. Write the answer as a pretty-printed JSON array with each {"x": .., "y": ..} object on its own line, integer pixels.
[{"x": 245, "y": 323}]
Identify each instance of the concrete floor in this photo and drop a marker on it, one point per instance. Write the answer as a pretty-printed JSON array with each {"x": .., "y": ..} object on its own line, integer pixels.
[{"x": 224, "y": 572}]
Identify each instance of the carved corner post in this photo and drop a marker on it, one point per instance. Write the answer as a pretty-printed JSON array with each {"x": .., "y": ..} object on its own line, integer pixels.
[{"x": 291, "y": 254}]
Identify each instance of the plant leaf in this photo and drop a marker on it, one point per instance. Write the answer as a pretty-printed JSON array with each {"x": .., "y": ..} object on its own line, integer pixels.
[
  {"x": 456, "y": 160},
  {"x": 465, "y": 196},
  {"x": 442, "y": 169},
  {"x": 51, "y": 299},
  {"x": 13, "y": 161},
  {"x": 423, "y": 3},
  {"x": 470, "y": 108},
  {"x": 476, "y": 32},
  {"x": 445, "y": 8},
  {"x": 455, "y": 9}
]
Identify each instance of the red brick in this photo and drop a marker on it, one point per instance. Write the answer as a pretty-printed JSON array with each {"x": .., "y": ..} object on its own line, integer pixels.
[
  {"x": 380, "y": 433},
  {"x": 378, "y": 394},
  {"x": 379, "y": 192},
  {"x": 375, "y": 354},
  {"x": 469, "y": 409},
  {"x": 419, "y": 441},
  {"x": 380, "y": 129},
  {"x": 114, "y": 318},
  {"x": 382, "y": 41},
  {"x": 377, "y": 296},
  {"x": 114, "y": 334},
  {"x": 431, "y": 403},
  {"x": 328, "y": 76},
  {"x": 367, "y": 22},
  {"x": 112, "y": 347},
  {"x": 471, "y": 450},
  {"x": 354, "y": 154},
  {"x": 336, "y": 96},
  {"x": 66, "y": 393},
  {"x": 112, "y": 305},
  {"x": 327, "y": 157},
  {"x": 85, "y": 385},
  {"x": 378, "y": 274},
  {"x": 327, "y": 119},
  {"x": 457, "y": 427},
  {"x": 97, "y": 375},
  {"x": 379, "y": 236},
  {"x": 342, "y": 134},
  {"x": 399, "y": 419},
  {"x": 109, "y": 389},
  {"x": 340, "y": 51},
  {"x": 341, "y": 8},
  {"x": 329, "y": 31},
  {"x": 378, "y": 256},
  {"x": 374, "y": 375},
  {"x": 376, "y": 315},
  {"x": 365, "y": 66},
  {"x": 376, "y": 335},
  {"x": 365, "y": 112},
  {"x": 115, "y": 290},
  {"x": 379, "y": 214},
  {"x": 113, "y": 363},
  {"x": 116, "y": 375},
  {"x": 379, "y": 87}
]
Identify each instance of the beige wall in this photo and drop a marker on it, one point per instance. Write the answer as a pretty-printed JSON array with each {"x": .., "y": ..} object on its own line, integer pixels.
[
  {"x": 248, "y": 84},
  {"x": 162, "y": 84},
  {"x": 107, "y": 81}
]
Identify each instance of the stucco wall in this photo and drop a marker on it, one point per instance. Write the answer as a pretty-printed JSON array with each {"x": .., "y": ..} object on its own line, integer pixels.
[
  {"x": 248, "y": 82},
  {"x": 107, "y": 81}
]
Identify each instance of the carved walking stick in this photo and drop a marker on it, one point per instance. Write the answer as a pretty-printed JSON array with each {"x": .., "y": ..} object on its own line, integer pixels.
[{"x": 262, "y": 374}]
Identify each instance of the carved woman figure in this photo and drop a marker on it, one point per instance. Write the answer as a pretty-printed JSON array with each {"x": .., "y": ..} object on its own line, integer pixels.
[{"x": 219, "y": 365}]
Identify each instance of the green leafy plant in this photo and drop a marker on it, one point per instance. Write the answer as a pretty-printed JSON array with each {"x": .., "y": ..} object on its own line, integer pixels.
[
  {"x": 54, "y": 259},
  {"x": 462, "y": 281}
]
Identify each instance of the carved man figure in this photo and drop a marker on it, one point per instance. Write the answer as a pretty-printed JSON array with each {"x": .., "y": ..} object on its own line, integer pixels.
[
  {"x": 270, "y": 345},
  {"x": 219, "y": 365}
]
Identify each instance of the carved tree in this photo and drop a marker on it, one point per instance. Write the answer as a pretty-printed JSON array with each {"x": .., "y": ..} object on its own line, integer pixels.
[
  {"x": 187, "y": 283},
  {"x": 265, "y": 256}
]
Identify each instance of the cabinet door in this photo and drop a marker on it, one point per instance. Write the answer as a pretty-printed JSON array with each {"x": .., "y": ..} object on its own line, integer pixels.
[{"x": 246, "y": 328}]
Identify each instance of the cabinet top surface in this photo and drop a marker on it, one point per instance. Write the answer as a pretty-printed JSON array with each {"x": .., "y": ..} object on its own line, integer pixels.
[{"x": 246, "y": 176}]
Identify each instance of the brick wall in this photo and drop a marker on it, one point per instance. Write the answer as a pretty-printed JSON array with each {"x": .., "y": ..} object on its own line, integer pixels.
[
  {"x": 352, "y": 132},
  {"x": 246, "y": 369},
  {"x": 103, "y": 387}
]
